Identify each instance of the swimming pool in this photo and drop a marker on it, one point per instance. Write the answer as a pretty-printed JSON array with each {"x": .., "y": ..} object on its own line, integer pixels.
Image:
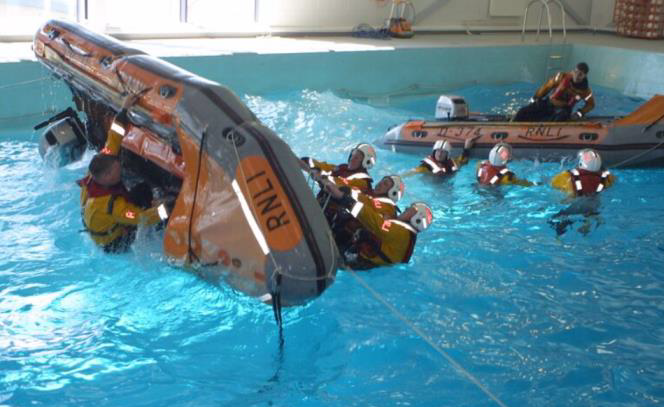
[{"x": 537, "y": 319}]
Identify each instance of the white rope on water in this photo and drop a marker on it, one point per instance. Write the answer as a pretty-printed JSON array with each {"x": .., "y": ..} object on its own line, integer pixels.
[
  {"x": 15, "y": 84},
  {"x": 460, "y": 369},
  {"x": 634, "y": 157}
]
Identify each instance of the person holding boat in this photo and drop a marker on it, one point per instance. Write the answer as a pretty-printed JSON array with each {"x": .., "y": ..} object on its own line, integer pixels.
[
  {"x": 383, "y": 199},
  {"x": 110, "y": 212},
  {"x": 354, "y": 174},
  {"x": 555, "y": 100},
  {"x": 379, "y": 241},
  {"x": 494, "y": 171},
  {"x": 587, "y": 179},
  {"x": 440, "y": 163}
]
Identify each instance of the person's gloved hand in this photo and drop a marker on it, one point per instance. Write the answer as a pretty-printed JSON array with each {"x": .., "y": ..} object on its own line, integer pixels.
[{"x": 577, "y": 115}]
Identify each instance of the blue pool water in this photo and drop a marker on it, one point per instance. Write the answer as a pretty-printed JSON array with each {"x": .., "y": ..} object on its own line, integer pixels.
[{"x": 537, "y": 319}]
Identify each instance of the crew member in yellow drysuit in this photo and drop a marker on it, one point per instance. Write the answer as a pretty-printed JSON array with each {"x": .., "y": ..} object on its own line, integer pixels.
[
  {"x": 380, "y": 241},
  {"x": 440, "y": 163},
  {"x": 110, "y": 214},
  {"x": 587, "y": 179},
  {"x": 354, "y": 174}
]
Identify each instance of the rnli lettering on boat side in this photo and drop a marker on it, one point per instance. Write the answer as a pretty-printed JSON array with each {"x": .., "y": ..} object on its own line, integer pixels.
[
  {"x": 549, "y": 132},
  {"x": 269, "y": 202},
  {"x": 535, "y": 131}
]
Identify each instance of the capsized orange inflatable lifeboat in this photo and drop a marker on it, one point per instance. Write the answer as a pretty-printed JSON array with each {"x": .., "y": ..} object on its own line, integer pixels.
[
  {"x": 244, "y": 212},
  {"x": 636, "y": 140}
]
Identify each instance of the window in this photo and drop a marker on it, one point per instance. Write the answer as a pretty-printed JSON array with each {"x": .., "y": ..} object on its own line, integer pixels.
[
  {"x": 222, "y": 15},
  {"x": 26, "y": 16},
  {"x": 134, "y": 16}
]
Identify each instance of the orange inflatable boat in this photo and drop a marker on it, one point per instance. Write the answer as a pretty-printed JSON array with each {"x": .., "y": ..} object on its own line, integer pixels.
[
  {"x": 636, "y": 140},
  {"x": 244, "y": 212}
]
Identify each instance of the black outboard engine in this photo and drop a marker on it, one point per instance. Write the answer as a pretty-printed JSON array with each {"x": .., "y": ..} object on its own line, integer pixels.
[{"x": 63, "y": 141}]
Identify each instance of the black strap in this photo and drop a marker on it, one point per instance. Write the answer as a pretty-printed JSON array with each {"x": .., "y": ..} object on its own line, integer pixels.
[
  {"x": 276, "y": 308},
  {"x": 383, "y": 256},
  {"x": 111, "y": 202},
  {"x": 190, "y": 253}
]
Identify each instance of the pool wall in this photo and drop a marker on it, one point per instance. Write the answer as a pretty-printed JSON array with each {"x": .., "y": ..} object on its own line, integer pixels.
[{"x": 375, "y": 75}]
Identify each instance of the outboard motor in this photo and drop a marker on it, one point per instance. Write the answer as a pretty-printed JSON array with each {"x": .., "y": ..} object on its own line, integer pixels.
[
  {"x": 62, "y": 142},
  {"x": 451, "y": 107}
]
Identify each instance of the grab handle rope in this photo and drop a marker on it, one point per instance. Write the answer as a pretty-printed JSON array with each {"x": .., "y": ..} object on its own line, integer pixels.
[
  {"x": 637, "y": 155},
  {"x": 11, "y": 85}
]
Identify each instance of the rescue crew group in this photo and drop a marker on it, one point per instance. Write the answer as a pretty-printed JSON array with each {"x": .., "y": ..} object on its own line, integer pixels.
[{"x": 369, "y": 228}]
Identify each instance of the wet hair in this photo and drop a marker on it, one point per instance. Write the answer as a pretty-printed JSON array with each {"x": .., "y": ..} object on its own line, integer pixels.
[
  {"x": 100, "y": 164},
  {"x": 583, "y": 67}
]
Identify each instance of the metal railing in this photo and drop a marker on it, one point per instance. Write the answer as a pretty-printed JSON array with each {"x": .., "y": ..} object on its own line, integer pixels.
[{"x": 544, "y": 6}]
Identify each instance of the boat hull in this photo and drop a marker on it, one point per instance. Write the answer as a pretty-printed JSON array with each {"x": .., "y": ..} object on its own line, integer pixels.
[
  {"x": 244, "y": 212},
  {"x": 636, "y": 140}
]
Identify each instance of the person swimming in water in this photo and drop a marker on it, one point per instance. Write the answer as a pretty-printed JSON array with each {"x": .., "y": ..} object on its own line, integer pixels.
[
  {"x": 494, "y": 171},
  {"x": 440, "y": 163},
  {"x": 582, "y": 185}
]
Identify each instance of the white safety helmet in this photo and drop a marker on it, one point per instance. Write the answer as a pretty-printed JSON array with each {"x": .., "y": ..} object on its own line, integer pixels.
[
  {"x": 500, "y": 154},
  {"x": 589, "y": 160},
  {"x": 445, "y": 148},
  {"x": 422, "y": 218},
  {"x": 369, "y": 155},
  {"x": 396, "y": 190}
]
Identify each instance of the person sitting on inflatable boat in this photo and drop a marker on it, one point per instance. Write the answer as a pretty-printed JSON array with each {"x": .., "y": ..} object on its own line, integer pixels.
[
  {"x": 440, "y": 163},
  {"x": 495, "y": 171},
  {"x": 354, "y": 174},
  {"x": 110, "y": 212},
  {"x": 380, "y": 241},
  {"x": 555, "y": 100},
  {"x": 587, "y": 179}
]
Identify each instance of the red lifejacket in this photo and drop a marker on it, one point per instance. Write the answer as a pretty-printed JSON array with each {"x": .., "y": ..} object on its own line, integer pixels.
[
  {"x": 588, "y": 183},
  {"x": 342, "y": 171},
  {"x": 448, "y": 167},
  {"x": 563, "y": 92},
  {"x": 489, "y": 174},
  {"x": 95, "y": 190}
]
